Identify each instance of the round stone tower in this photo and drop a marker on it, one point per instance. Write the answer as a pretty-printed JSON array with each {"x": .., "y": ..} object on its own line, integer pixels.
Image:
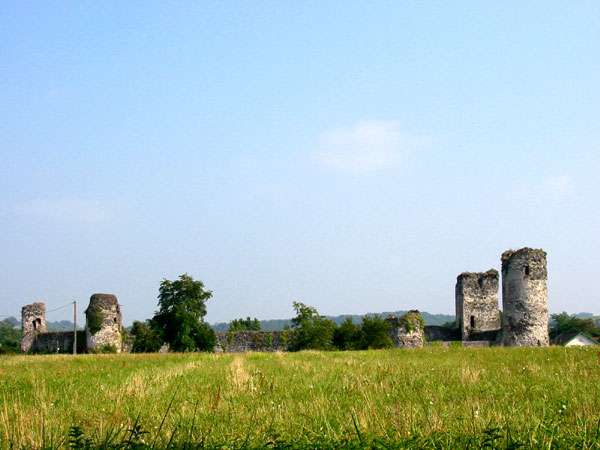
[
  {"x": 524, "y": 298},
  {"x": 33, "y": 322},
  {"x": 103, "y": 324}
]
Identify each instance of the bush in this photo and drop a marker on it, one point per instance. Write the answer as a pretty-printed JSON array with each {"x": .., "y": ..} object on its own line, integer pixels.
[
  {"x": 246, "y": 324},
  {"x": 375, "y": 333},
  {"x": 347, "y": 336},
  {"x": 311, "y": 330},
  {"x": 94, "y": 319},
  {"x": 145, "y": 338},
  {"x": 10, "y": 338},
  {"x": 565, "y": 323}
]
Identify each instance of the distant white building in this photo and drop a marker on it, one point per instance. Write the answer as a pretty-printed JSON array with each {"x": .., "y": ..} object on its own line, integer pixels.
[{"x": 574, "y": 339}]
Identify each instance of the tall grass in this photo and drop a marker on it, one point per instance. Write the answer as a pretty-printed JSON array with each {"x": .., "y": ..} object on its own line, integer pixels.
[{"x": 432, "y": 397}]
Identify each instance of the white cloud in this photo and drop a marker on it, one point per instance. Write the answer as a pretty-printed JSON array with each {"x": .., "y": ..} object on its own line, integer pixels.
[
  {"x": 368, "y": 146},
  {"x": 64, "y": 210}
]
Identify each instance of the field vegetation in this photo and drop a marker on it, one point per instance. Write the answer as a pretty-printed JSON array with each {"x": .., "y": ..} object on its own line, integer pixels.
[{"x": 425, "y": 398}]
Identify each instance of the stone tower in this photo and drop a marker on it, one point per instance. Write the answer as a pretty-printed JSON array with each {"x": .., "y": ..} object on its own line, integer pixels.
[
  {"x": 33, "y": 322},
  {"x": 477, "y": 303},
  {"x": 524, "y": 298},
  {"x": 408, "y": 330},
  {"x": 103, "y": 323}
]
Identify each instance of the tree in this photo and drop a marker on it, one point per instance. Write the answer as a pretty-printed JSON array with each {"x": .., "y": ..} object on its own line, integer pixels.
[
  {"x": 375, "y": 333},
  {"x": 246, "y": 324},
  {"x": 565, "y": 323},
  {"x": 10, "y": 338},
  {"x": 347, "y": 336},
  {"x": 310, "y": 330},
  {"x": 146, "y": 339},
  {"x": 180, "y": 318}
]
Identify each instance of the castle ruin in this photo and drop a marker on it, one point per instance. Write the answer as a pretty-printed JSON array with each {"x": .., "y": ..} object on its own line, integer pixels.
[
  {"x": 103, "y": 329},
  {"x": 33, "y": 323},
  {"x": 479, "y": 322},
  {"x": 476, "y": 297},
  {"x": 524, "y": 298},
  {"x": 407, "y": 331},
  {"x": 103, "y": 323}
]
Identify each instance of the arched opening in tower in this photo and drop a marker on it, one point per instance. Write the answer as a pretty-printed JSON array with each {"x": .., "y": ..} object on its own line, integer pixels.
[{"x": 472, "y": 321}]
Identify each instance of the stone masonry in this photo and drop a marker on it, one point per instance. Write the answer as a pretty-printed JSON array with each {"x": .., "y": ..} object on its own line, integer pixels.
[
  {"x": 524, "y": 298},
  {"x": 104, "y": 323},
  {"x": 33, "y": 323},
  {"x": 252, "y": 341},
  {"x": 476, "y": 296},
  {"x": 408, "y": 330}
]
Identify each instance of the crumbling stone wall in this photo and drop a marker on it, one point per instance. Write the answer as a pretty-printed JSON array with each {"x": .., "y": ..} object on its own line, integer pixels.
[
  {"x": 439, "y": 333},
  {"x": 33, "y": 323},
  {"x": 58, "y": 342},
  {"x": 476, "y": 297},
  {"x": 252, "y": 341},
  {"x": 103, "y": 323},
  {"x": 524, "y": 298},
  {"x": 408, "y": 330}
]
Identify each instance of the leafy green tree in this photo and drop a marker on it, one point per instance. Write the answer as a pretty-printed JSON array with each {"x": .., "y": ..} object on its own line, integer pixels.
[
  {"x": 347, "y": 336},
  {"x": 10, "y": 338},
  {"x": 246, "y": 324},
  {"x": 180, "y": 317},
  {"x": 145, "y": 337},
  {"x": 375, "y": 333},
  {"x": 310, "y": 330},
  {"x": 564, "y": 323}
]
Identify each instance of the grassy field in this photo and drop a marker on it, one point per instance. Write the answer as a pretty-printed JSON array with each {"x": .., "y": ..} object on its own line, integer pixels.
[{"x": 433, "y": 397}]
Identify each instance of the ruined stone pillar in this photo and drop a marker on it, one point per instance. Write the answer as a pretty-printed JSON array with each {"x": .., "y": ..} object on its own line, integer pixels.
[
  {"x": 33, "y": 322},
  {"x": 477, "y": 302},
  {"x": 407, "y": 331},
  {"x": 524, "y": 298},
  {"x": 103, "y": 324}
]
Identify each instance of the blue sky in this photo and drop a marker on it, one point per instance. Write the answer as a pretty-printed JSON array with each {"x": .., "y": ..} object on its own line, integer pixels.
[{"x": 355, "y": 156}]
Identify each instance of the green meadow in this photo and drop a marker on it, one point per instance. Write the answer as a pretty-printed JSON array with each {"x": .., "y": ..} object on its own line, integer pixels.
[{"x": 427, "y": 398}]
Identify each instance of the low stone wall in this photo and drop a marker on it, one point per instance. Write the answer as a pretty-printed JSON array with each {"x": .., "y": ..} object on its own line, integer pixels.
[
  {"x": 439, "y": 333},
  {"x": 58, "y": 342},
  {"x": 490, "y": 335},
  {"x": 252, "y": 341},
  {"x": 461, "y": 343}
]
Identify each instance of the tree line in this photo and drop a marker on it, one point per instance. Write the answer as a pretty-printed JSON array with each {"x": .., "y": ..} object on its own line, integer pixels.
[{"x": 179, "y": 325}]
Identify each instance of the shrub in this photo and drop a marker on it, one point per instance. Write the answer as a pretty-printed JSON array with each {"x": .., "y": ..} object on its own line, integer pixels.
[
  {"x": 347, "y": 336},
  {"x": 94, "y": 319},
  {"x": 145, "y": 338},
  {"x": 310, "y": 330},
  {"x": 246, "y": 324},
  {"x": 375, "y": 333}
]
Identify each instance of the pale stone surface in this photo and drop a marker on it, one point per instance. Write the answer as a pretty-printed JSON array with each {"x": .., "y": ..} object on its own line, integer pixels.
[
  {"x": 524, "y": 298},
  {"x": 476, "y": 297},
  {"x": 33, "y": 322},
  {"x": 110, "y": 332}
]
